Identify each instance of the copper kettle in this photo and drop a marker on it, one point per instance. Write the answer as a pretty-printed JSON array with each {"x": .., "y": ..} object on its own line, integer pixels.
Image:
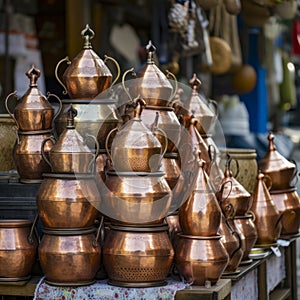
[
  {"x": 87, "y": 75},
  {"x": 33, "y": 112}
]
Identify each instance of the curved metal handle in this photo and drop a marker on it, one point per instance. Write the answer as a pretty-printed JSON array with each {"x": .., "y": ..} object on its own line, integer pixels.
[
  {"x": 65, "y": 92},
  {"x": 106, "y": 142},
  {"x": 59, "y": 104},
  {"x": 176, "y": 84},
  {"x": 215, "y": 105},
  {"x": 268, "y": 181},
  {"x": 106, "y": 58},
  {"x": 7, "y": 108},
  {"x": 95, "y": 242},
  {"x": 237, "y": 167},
  {"x": 234, "y": 232},
  {"x": 253, "y": 216},
  {"x": 220, "y": 192},
  {"x": 213, "y": 156},
  {"x": 295, "y": 172},
  {"x": 165, "y": 137},
  {"x": 123, "y": 82},
  {"x": 91, "y": 168},
  {"x": 53, "y": 140},
  {"x": 32, "y": 230}
]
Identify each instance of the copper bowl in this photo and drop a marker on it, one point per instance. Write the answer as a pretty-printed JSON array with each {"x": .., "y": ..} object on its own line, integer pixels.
[
  {"x": 200, "y": 259},
  {"x": 137, "y": 256}
]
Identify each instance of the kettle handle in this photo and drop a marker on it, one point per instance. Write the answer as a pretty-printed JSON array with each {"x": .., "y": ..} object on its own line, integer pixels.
[
  {"x": 175, "y": 85},
  {"x": 99, "y": 233},
  {"x": 267, "y": 181},
  {"x": 53, "y": 140},
  {"x": 33, "y": 230},
  {"x": 166, "y": 140},
  {"x": 106, "y": 58},
  {"x": 93, "y": 160},
  {"x": 295, "y": 172},
  {"x": 7, "y": 108},
  {"x": 215, "y": 105},
  {"x": 106, "y": 143},
  {"x": 56, "y": 73},
  {"x": 59, "y": 105},
  {"x": 123, "y": 82},
  {"x": 220, "y": 191}
]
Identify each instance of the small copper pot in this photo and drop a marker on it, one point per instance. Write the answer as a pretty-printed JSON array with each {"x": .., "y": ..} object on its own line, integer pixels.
[
  {"x": 70, "y": 257},
  {"x": 68, "y": 200},
  {"x": 18, "y": 248},
  {"x": 200, "y": 259},
  {"x": 137, "y": 256},
  {"x": 27, "y": 155}
]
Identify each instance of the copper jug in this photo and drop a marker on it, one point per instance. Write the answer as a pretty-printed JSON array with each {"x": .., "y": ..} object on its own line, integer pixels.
[
  {"x": 281, "y": 171},
  {"x": 27, "y": 155},
  {"x": 33, "y": 112},
  {"x": 135, "y": 148},
  {"x": 200, "y": 214},
  {"x": 69, "y": 153},
  {"x": 267, "y": 217},
  {"x": 138, "y": 256},
  {"x": 68, "y": 200},
  {"x": 87, "y": 75},
  {"x": 200, "y": 260},
  {"x": 70, "y": 257}
]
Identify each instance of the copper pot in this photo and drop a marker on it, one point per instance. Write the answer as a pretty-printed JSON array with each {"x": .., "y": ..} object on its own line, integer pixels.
[
  {"x": 273, "y": 164},
  {"x": 248, "y": 233},
  {"x": 33, "y": 112},
  {"x": 27, "y": 155},
  {"x": 174, "y": 226},
  {"x": 18, "y": 247},
  {"x": 68, "y": 200},
  {"x": 70, "y": 257},
  {"x": 288, "y": 204},
  {"x": 95, "y": 117},
  {"x": 200, "y": 214},
  {"x": 137, "y": 256},
  {"x": 136, "y": 198},
  {"x": 200, "y": 259},
  {"x": 87, "y": 75},
  {"x": 267, "y": 217}
]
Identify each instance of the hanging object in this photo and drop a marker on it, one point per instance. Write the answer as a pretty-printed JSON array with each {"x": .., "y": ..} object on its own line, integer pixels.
[{"x": 243, "y": 79}]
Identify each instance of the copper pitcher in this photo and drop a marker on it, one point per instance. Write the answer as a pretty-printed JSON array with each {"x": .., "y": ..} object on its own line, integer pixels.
[
  {"x": 70, "y": 257},
  {"x": 69, "y": 153},
  {"x": 87, "y": 75},
  {"x": 281, "y": 171},
  {"x": 27, "y": 155},
  {"x": 18, "y": 248},
  {"x": 200, "y": 214},
  {"x": 200, "y": 260},
  {"x": 138, "y": 256},
  {"x": 267, "y": 217},
  {"x": 68, "y": 200},
  {"x": 33, "y": 112}
]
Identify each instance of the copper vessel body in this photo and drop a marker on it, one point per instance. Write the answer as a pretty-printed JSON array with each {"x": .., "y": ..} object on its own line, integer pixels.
[
  {"x": 18, "y": 249},
  {"x": 69, "y": 257},
  {"x": 288, "y": 204},
  {"x": 68, "y": 201},
  {"x": 200, "y": 259},
  {"x": 102, "y": 164},
  {"x": 27, "y": 155},
  {"x": 137, "y": 256},
  {"x": 170, "y": 167},
  {"x": 148, "y": 200},
  {"x": 248, "y": 233}
]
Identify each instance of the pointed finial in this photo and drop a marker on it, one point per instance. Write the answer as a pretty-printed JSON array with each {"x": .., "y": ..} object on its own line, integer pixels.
[
  {"x": 151, "y": 50},
  {"x": 271, "y": 137},
  {"x": 87, "y": 34},
  {"x": 71, "y": 114},
  {"x": 195, "y": 83},
  {"x": 33, "y": 74}
]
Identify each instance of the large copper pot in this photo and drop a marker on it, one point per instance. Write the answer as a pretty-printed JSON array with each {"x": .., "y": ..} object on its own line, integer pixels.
[
  {"x": 70, "y": 257},
  {"x": 288, "y": 204},
  {"x": 273, "y": 164},
  {"x": 33, "y": 112},
  {"x": 27, "y": 155},
  {"x": 18, "y": 247},
  {"x": 95, "y": 117},
  {"x": 87, "y": 75},
  {"x": 200, "y": 260},
  {"x": 68, "y": 200},
  {"x": 137, "y": 256},
  {"x": 136, "y": 198}
]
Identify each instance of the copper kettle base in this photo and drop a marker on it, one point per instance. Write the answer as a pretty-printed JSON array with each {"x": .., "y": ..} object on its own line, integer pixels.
[
  {"x": 19, "y": 280},
  {"x": 137, "y": 284},
  {"x": 75, "y": 284},
  {"x": 24, "y": 180}
]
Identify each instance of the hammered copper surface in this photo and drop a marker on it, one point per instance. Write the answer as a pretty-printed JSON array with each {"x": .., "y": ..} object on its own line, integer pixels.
[
  {"x": 68, "y": 201},
  {"x": 70, "y": 257},
  {"x": 33, "y": 111},
  {"x": 137, "y": 254},
  {"x": 18, "y": 248},
  {"x": 200, "y": 259}
]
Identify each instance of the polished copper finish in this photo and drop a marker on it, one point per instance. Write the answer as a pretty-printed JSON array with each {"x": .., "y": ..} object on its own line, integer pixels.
[
  {"x": 33, "y": 112},
  {"x": 136, "y": 198},
  {"x": 135, "y": 148},
  {"x": 138, "y": 256},
  {"x": 267, "y": 217},
  {"x": 18, "y": 248},
  {"x": 70, "y": 154},
  {"x": 102, "y": 164},
  {"x": 68, "y": 200},
  {"x": 200, "y": 260},
  {"x": 288, "y": 204},
  {"x": 87, "y": 75},
  {"x": 27, "y": 155},
  {"x": 281, "y": 171},
  {"x": 96, "y": 117},
  {"x": 247, "y": 232},
  {"x": 70, "y": 257},
  {"x": 200, "y": 214}
]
